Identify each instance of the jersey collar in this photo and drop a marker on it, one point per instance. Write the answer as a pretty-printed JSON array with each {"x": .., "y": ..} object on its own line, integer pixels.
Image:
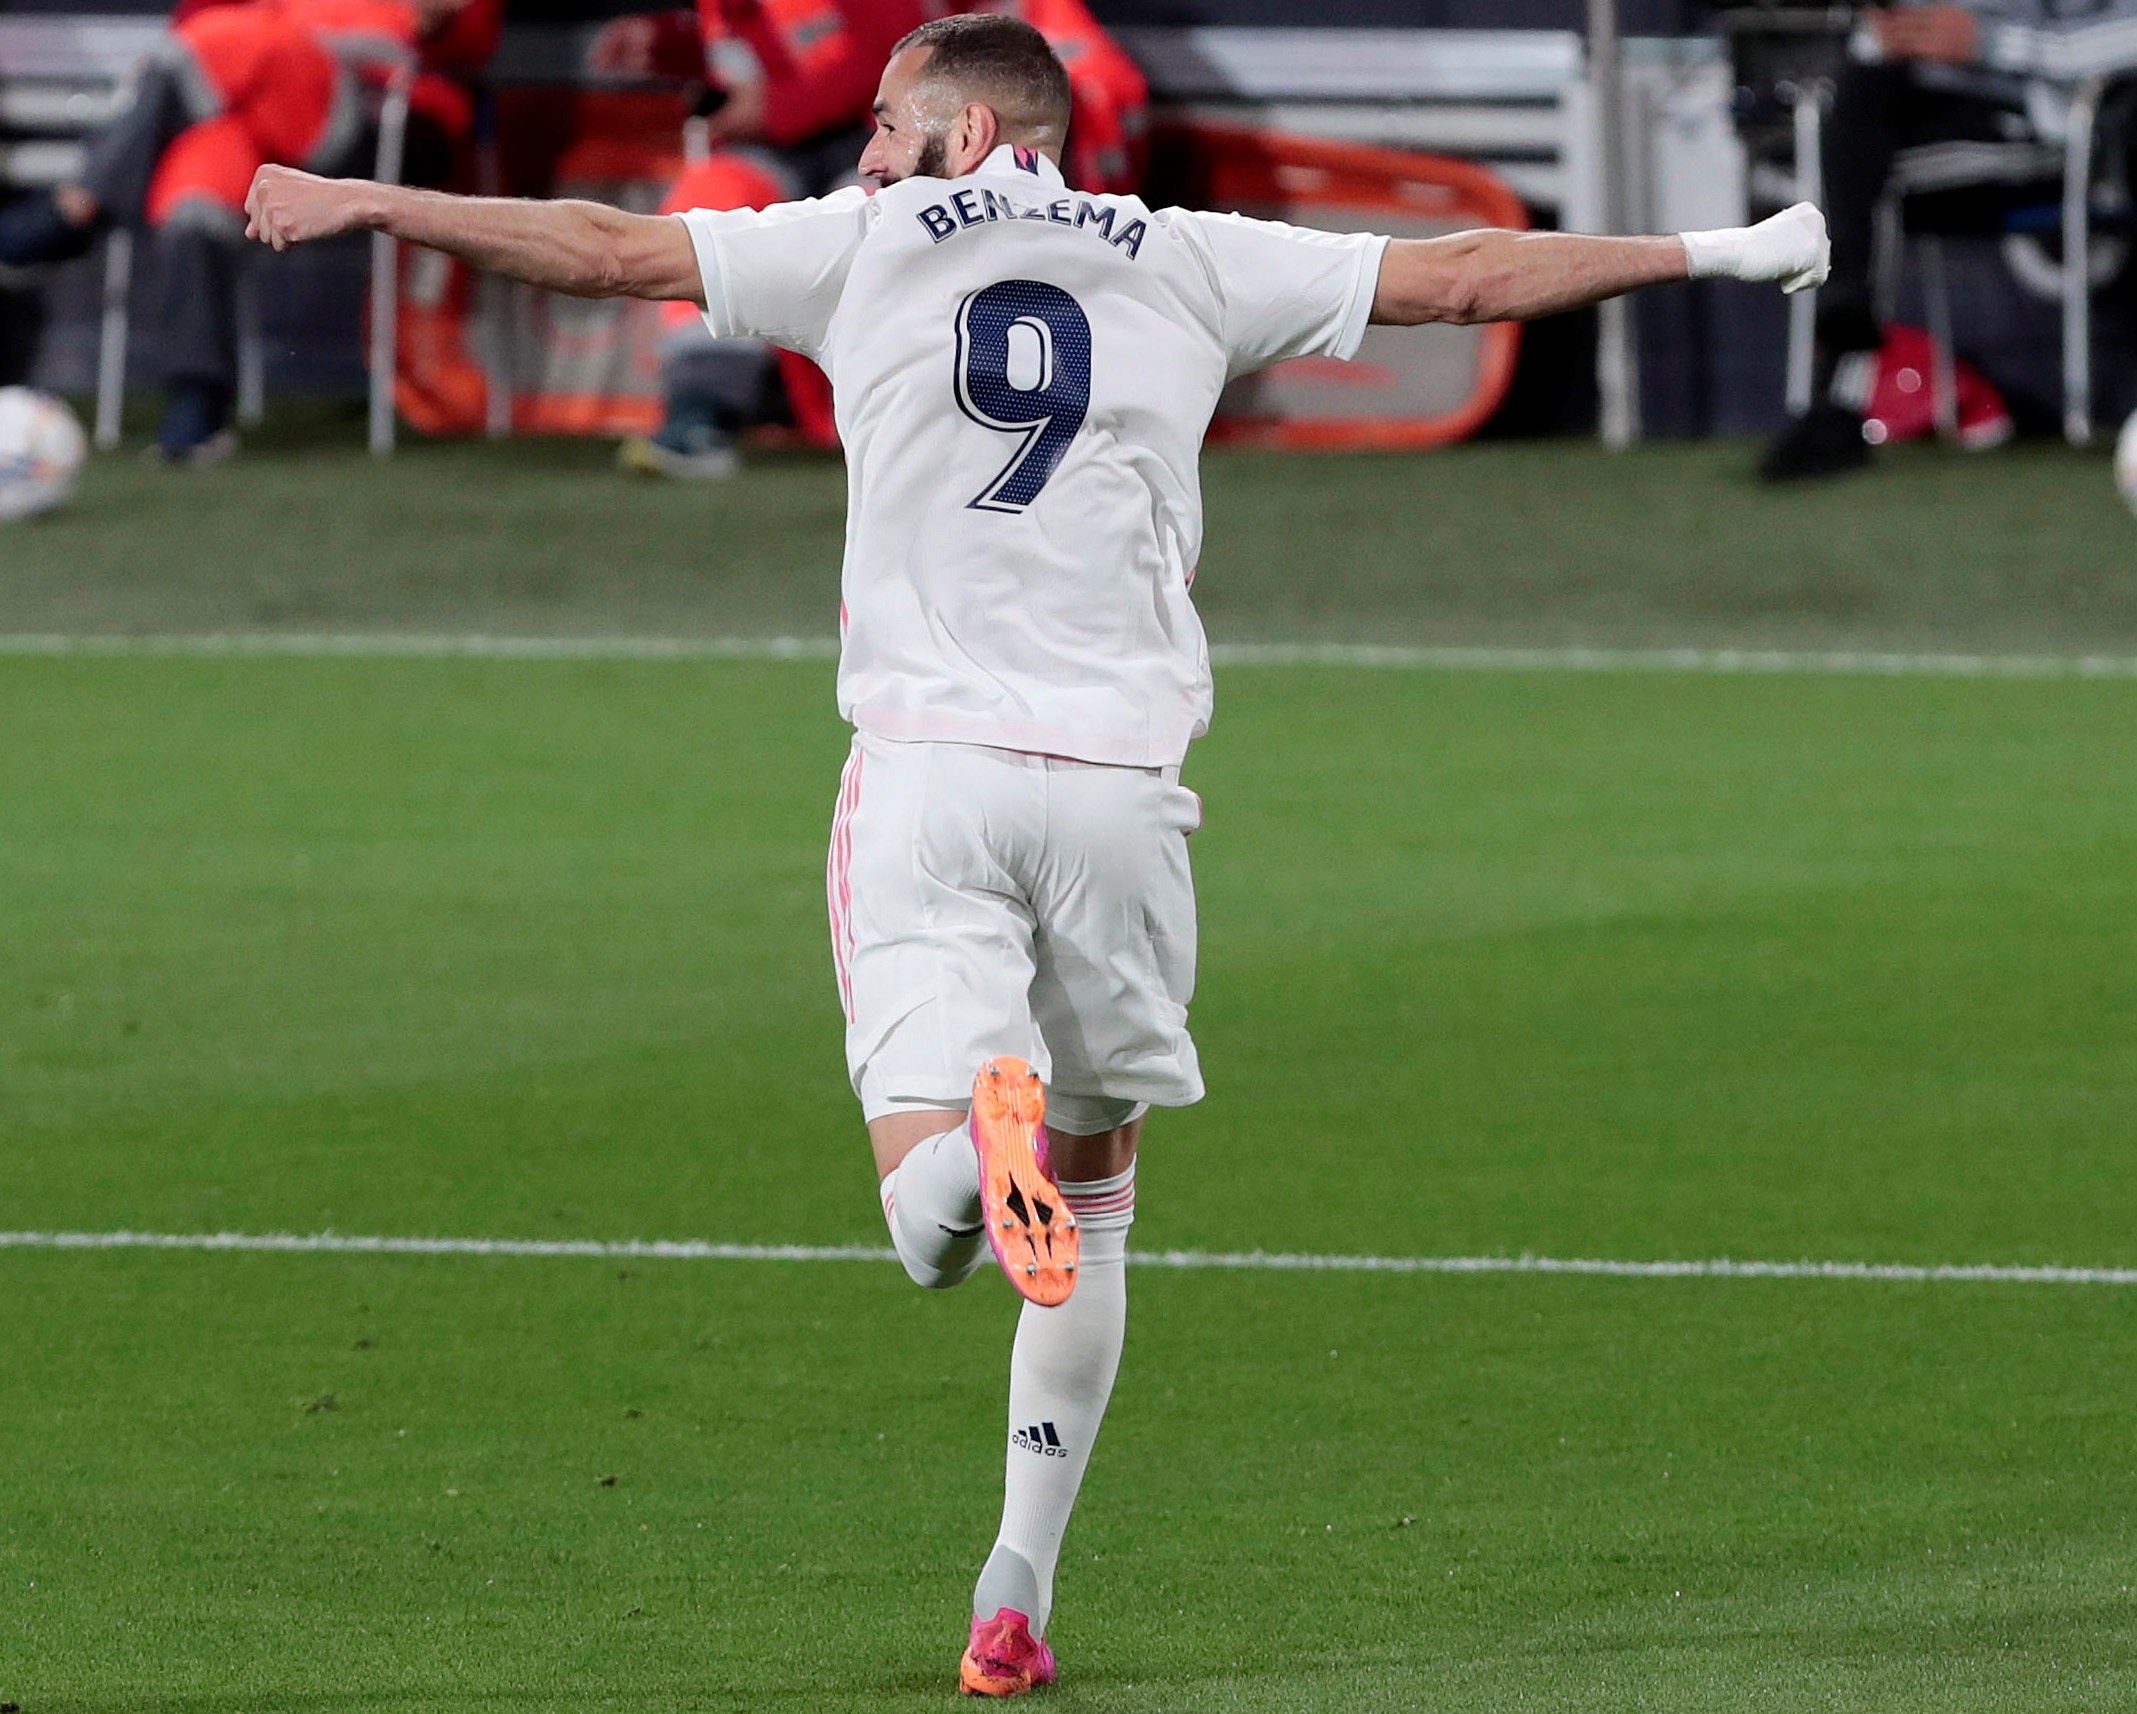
[{"x": 1014, "y": 158}]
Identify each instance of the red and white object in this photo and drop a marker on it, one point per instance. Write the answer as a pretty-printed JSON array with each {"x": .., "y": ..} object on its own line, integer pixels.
[
  {"x": 42, "y": 449},
  {"x": 1903, "y": 396}
]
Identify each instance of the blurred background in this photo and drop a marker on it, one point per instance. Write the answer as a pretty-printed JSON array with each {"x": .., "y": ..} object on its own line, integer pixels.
[{"x": 1978, "y": 145}]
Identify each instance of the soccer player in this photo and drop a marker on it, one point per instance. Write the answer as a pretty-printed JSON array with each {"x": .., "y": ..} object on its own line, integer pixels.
[{"x": 1023, "y": 375}]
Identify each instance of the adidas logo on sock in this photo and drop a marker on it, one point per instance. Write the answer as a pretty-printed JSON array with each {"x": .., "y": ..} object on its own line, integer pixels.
[{"x": 1040, "y": 1439}]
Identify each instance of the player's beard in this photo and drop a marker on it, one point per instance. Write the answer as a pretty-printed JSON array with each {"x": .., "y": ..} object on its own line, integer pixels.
[{"x": 933, "y": 160}]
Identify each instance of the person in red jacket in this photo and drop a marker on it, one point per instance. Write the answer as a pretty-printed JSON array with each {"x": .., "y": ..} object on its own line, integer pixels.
[
  {"x": 238, "y": 84},
  {"x": 789, "y": 84},
  {"x": 792, "y": 82}
]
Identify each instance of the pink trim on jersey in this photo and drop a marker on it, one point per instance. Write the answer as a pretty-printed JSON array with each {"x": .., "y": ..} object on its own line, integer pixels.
[{"x": 838, "y": 880}]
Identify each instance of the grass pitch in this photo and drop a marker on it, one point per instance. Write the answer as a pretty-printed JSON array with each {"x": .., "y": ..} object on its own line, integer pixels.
[
  {"x": 1631, "y": 965},
  {"x": 2026, "y": 549}
]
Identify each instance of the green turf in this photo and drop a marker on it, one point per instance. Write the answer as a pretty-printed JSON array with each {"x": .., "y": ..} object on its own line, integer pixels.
[
  {"x": 259, "y": 1483},
  {"x": 1633, "y": 965},
  {"x": 2027, "y": 548}
]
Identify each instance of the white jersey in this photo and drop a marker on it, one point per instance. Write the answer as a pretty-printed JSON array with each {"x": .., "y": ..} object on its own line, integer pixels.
[{"x": 1023, "y": 375}]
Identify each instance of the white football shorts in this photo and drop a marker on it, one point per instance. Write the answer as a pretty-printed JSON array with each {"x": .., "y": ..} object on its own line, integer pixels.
[{"x": 987, "y": 901}]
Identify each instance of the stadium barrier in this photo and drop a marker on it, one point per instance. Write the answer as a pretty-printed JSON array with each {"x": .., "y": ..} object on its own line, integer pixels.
[
  {"x": 578, "y": 367},
  {"x": 1408, "y": 387}
]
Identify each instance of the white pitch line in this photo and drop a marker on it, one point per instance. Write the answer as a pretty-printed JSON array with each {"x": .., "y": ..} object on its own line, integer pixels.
[
  {"x": 1245, "y": 1261},
  {"x": 1859, "y": 663},
  {"x": 403, "y": 645},
  {"x": 1862, "y": 663}
]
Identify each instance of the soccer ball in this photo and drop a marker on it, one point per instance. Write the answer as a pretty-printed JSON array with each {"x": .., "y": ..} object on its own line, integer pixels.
[
  {"x": 2126, "y": 461},
  {"x": 41, "y": 452}
]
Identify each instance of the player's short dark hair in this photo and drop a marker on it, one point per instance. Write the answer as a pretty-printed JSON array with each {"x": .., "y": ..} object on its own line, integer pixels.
[{"x": 1003, "y": 62}]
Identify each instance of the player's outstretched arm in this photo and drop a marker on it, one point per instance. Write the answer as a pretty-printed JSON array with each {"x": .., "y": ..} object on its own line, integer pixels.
[
  {"x": 584, "y": 248},
  {"x": 1513, "y": 276}
]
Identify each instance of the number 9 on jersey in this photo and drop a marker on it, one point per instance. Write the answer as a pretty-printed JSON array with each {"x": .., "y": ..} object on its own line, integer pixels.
[{"x": 1024, "y": 368}]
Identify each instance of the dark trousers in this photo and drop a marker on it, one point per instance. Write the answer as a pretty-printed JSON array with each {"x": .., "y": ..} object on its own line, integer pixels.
[
  {"x": 121, "y": 159},
  {"x": 198, "y": 259},
  {"x": 196, "y": 305},
  {"x": 22, "y": 322},
  {"x": 1879, "y": 111}
]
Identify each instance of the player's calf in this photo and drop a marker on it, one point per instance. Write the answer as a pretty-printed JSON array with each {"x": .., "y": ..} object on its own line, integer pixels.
[{"x": 931, "y": 1203}]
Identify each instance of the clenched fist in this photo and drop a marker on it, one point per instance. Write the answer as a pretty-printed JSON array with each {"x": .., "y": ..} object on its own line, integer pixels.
[
  {"x": 1789, "y": 250},
  {"x": 286, "y": 207}
]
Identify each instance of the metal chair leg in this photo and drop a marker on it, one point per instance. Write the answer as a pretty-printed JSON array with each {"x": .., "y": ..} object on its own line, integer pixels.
[
  {"x": 1803, "y": 307},
  {"x": 495, "y": 302},
  {"x": 112, "y": 337},
  {"x": 2077, "y": 262},
  {"x": 1943, "y": 360},
  {"x": 385, "y": 269},
  {"x": 1888, "y": 257},
  {"x": 251, "y": 352},
  {"x": 385, "y": 298}
]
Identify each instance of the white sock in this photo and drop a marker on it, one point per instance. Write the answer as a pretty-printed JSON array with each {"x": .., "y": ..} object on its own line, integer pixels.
[
  {"x": 931, "y": 1204},
  {"x": 1060, "y": 1376}
]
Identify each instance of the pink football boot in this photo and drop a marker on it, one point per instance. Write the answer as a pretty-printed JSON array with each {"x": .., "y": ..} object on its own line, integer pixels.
[{"x": 1004, "y": 1658}]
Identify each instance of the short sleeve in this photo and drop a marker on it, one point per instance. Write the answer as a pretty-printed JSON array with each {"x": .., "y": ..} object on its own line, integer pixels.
[
  {"x": 777, "y": 273},
  {"x": 1285, "y": 291}
]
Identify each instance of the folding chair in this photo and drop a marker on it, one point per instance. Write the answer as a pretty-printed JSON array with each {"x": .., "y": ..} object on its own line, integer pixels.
[
  {"x": 251, "y": 364},
  {"x": 2068, "y": 167}
]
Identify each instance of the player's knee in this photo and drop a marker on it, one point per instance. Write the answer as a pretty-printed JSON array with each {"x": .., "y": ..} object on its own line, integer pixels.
[
  {"x": 1090, "y": 1115},
  {"x": 925, "y": 1277},
  {"x": 1090, "y": 1137},
  {"x": 952, "y": 1271}
]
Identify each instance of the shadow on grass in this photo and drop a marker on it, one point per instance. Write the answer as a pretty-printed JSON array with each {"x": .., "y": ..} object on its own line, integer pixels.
[
  {"x": 898, "y": 1688},
  {"x": 860, "y": 1692}
]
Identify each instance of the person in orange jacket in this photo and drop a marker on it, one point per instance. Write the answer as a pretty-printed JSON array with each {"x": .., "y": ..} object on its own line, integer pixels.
[
  {"x": 237, "y": 84},
  {"x": 1109, "y": 98},
  {"x": 791, "y": 83}
]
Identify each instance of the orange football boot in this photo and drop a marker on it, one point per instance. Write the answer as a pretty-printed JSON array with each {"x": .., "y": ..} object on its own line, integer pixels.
[{"x": 1029, "y": 1226}]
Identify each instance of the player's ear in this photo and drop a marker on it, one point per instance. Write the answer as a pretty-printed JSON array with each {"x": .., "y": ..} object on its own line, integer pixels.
[{"x": 977, "y": 131}]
